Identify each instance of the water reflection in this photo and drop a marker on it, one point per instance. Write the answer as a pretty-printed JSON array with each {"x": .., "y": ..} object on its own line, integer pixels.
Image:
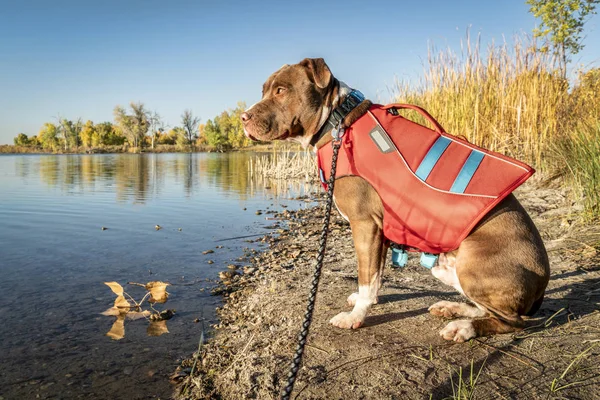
[
  {"x": 138, "y": 178},
  {"x": 117, "y": 330},
  {"x": 156, "y": 292}
]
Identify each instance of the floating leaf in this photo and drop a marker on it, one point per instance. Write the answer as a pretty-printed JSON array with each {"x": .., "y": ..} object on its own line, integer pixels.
[
  {"x": 157, "y": 328},
  {"x": 122, "y": 303},
  {"x": 133, "y": 315},
  {"x": 158, "y": 291},
  {"x": 117, "y": 331},
  {"x": 115, "y": 287},
  {"x": 113, "y": 311}
]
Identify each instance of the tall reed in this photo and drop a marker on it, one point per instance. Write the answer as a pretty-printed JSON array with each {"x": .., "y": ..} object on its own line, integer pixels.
[
  {"x": 508, "y": 98},
  {"x": 512, "y": 98},
  {"x": 285, "y": 164}
]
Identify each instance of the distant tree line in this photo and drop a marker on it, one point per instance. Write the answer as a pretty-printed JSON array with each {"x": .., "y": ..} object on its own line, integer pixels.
[{"x": 140, "y": 128}]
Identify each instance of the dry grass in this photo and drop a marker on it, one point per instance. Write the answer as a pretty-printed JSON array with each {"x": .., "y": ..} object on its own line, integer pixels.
[
  {"x": 508, "y": 98},
  {"x": 513, "y": 99},
  {"x": 285, "y": 164}
]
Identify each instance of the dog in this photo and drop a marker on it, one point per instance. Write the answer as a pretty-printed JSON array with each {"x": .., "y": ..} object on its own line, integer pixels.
[{"x": 501, "y": 267}]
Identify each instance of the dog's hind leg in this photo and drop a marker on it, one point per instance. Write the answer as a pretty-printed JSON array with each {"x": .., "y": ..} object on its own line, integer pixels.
[
  {"x": 450, "y": 309},
  {"x": 465, "y": 329}
]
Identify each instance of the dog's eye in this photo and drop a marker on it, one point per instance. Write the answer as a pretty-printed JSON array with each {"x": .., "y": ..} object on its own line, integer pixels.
[{"x": 280, "y": 90}]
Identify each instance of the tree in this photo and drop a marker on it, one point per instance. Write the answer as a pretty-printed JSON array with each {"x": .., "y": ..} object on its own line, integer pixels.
[
  {"x": 87, "y": 135},
  {"x": 190, "y": 126},
  {"x": 69, "y": 131},
  {"x": 21, "y": 140},
  {"x": 562, "y": 22},
  {"x": 156, "y": 125},
  {"x": 213, "y": 135},
  {"x": 48, "y": 136},
  {"x": 135, "y": 125},
  {"x": 106, "y": 134}
]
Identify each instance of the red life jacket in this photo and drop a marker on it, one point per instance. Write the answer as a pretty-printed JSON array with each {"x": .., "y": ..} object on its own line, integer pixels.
[{"x": 435, "y": 187}]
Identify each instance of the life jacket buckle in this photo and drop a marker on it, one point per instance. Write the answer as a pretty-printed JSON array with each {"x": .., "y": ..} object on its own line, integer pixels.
[
  {"x": 428, "y": 260},
  {"x": 399, "y": 255}
]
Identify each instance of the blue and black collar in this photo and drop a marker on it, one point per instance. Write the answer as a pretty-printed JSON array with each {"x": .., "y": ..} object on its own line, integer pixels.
[{"x": 353, "y": 99}]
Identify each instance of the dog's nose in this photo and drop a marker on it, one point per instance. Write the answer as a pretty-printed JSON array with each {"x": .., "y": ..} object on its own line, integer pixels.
[{"x": 245, "y": 117}]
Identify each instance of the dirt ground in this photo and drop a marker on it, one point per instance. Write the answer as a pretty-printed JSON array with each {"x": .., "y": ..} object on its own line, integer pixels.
[{"x": 398, "y": 353}]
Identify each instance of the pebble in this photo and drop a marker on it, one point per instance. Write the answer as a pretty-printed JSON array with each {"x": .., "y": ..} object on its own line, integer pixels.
[
  {"x": 208, "y": 252},
  {"x": 104, "y": 228},
  {"x": 249, "y": 270},
  {"x": 227, "y": 274},
  {"x": 210, "y": 262}
]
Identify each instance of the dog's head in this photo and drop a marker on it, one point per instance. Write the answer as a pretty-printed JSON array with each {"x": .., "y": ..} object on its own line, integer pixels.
[{"x": 293, "y": 105}]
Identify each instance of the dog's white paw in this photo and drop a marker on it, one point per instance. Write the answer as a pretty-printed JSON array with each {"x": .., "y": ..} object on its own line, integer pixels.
[
  {"x": 352, "y": 299},
  {"x": 347, "y": 320},
  {"x": 443, "y": 309},
  {"x": 459, "y": 331}
]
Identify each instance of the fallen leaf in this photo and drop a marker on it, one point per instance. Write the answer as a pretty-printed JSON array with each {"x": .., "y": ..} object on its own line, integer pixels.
[
  {"x": 122, "y": 303},
  {"x": 117, "y": 331},
  {"x": 115, "y": 287},
  {"x": 157, "y": 328},
  {"x": 158, "y": 291},
  {"x": 113, "y": 311},
  {"x": 133, "y": 315}
]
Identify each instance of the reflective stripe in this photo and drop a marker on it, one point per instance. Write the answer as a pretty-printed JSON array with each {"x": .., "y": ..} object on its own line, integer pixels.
[
  {"x": 322, "y": 176},
  {"x": 432, "y": 157},
  {"x": 467, "y": 171}
]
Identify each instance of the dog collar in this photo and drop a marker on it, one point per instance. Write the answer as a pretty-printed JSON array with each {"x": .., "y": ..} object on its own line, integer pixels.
[{"x": 353, "y": 99}]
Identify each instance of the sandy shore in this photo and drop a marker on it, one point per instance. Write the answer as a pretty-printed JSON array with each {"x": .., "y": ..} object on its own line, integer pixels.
[{"x": 398, "y": 354}]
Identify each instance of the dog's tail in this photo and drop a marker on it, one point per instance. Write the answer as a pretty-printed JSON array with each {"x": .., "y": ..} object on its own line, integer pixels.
[{"x": 499, "y": 322}]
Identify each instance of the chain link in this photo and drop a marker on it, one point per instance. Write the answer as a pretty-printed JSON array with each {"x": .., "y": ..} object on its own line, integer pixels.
[{"x": 295, "y": 366}]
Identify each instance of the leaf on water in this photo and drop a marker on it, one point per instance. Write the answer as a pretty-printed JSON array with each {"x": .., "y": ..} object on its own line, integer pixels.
[
  {"x": 158, "y": 291},
  {"x": 122, "y": 304},
  {"x": 157, "y": 328},
  {"x": 133, "y": 315},
  {"x": 163, "y": 315},
  {"x": 115, "y": 287},
  {"x": 117, "y": 331},
  {"x": 113, "y": 311}
]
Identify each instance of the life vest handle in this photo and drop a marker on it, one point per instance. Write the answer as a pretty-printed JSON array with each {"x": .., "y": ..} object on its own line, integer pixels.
[{"x": 436, "y": 125}]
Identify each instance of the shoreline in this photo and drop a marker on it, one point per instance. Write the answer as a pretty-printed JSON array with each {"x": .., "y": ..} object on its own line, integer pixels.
[
  {"x": 397, "y": 353},
  {"x": 163, "y": 149}
]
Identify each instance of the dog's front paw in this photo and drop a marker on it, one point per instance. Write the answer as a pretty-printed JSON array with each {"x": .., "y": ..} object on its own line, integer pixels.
[
  {"x": 347, "y": 320},
  {"x": 459, "y": 331},
  {"x": 352, "y": 299},
  {"x": 444, "y": 309}
]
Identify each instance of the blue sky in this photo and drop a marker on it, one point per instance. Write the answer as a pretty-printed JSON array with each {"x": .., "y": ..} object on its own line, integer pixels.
[{"x": 81, "y": 58}]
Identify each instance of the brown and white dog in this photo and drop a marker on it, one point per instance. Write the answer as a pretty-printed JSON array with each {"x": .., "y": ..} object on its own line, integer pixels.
[{"x": 501, "y": 267}]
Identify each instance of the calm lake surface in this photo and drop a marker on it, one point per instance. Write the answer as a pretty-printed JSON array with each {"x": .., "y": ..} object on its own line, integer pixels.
[{"x": 54, "y": 258}]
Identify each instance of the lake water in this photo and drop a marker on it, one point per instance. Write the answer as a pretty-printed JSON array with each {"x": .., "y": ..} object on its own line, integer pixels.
[{"x": 54, "y": 258}]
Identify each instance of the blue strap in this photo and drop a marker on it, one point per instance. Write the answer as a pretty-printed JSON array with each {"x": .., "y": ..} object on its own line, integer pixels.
[
  {"x": 467, "y": 171},
  {"x": 432, "y": 157}
]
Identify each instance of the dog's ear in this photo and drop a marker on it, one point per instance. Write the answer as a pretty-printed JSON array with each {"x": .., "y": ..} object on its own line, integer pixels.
[{"x": 318, "y": 71}]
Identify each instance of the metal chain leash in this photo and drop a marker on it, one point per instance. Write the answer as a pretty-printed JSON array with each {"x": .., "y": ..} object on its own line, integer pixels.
[{"x": 295, "y": 366}]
